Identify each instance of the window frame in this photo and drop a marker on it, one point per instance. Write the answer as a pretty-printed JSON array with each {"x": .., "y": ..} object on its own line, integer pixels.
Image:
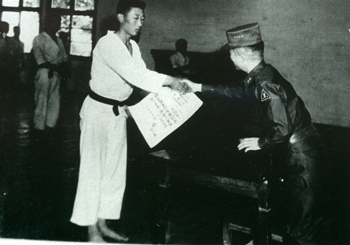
[
  {"x": 70, "y": 12},
  {"x": 45, "y": 7},
  {"x": 20, "y": 9}
]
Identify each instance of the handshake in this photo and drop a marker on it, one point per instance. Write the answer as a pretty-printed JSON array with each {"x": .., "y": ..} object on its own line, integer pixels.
[{"x": 183, "y": 85}]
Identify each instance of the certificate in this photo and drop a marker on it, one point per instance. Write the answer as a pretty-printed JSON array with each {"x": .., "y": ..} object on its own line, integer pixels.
[{"x": 158, "y": 115}]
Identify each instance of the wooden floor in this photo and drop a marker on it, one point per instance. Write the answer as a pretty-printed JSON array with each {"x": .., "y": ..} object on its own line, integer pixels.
[{"x": 38, "y": 183}]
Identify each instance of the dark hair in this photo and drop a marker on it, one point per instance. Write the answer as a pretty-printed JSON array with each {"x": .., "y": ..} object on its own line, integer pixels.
[
  {"x": 52, "y": 22},
  {"x": 259, "y": 47},
  {"x": 109, "y": 23},
  {"x": 181, "y": 43},
  {"x": 4, "y": 27},
  {"x": 52, "y": 16},
  {"x": 124, "y": 6}
]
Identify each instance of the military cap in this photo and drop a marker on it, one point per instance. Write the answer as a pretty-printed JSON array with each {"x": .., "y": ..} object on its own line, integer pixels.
[{"x": 242, "y": 36}]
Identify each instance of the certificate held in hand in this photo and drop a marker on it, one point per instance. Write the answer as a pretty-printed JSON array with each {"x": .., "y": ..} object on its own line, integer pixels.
[{"x": 158, "y": 115}]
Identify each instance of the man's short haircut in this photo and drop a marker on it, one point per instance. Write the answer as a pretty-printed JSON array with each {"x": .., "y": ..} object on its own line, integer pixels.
[
  {"x": 255, "y": 51},
  {"x": 4, "y": 27},
  {"x": 259, "y": 47},
  {"x": 52, "y": 16},
  {"x": 124, "y": 6},
  {"x": 51, "y": 20},
  {"x": 181, "y": 43}
]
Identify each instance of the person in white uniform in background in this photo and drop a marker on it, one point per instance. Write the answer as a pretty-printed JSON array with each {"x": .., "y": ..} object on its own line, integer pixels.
[
  {"x": 50, "y": 55},
  {"x": 117, "y": 67}
]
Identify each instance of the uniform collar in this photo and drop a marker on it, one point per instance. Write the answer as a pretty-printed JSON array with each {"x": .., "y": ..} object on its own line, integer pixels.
[
  {"x": 50, "y": 38},
  {"x": 250, "y": 77},
  {"x": 114, "y": 35},
  {"x": 46, "y": 34}
]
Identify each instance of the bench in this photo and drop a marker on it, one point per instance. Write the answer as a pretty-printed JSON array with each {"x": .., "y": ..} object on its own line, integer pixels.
[{"x": 250, "y": 175}]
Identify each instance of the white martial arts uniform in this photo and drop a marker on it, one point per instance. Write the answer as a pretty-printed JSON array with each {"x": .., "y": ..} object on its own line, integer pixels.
[
  {"x": 47, "y": 90},
  {"x": 103, "y": 142}
]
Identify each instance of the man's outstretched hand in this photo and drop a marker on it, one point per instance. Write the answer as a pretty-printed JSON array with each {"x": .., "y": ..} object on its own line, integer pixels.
[
  {"x": 249, "y": 144},
  {"x": 196, "y": 87},
  {"x": 180, "y": 86}
]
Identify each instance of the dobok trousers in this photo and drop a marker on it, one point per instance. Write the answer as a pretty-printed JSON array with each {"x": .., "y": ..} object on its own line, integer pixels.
[
  {"x": 103, "y": 161},
  {"x": 47, "y": 99}
]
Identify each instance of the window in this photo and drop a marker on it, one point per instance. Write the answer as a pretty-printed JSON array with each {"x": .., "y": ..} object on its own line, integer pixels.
[
  {"x": 26, "y": 3},
  {"x": 25, "y": 14},
  {"x": 76, "y": 24}
]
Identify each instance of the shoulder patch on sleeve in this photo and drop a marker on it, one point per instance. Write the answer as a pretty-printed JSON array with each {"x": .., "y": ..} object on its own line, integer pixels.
[{"x": 264, "y": 95}]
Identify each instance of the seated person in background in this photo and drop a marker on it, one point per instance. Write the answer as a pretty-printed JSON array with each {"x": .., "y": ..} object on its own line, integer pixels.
[
  {"x": 274, "y": 100},
  {"x": 180, "y": 61}
]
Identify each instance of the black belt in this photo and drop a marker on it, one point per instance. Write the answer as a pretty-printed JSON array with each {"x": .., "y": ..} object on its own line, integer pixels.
[
  {"x": 104, "y": 100},
  {"x": 303, "y": 134},
  {"x": 44, "y": 65}
]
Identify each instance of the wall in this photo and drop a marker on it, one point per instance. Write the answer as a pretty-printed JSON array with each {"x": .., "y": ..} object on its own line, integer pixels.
[{"x": 307, "y": 41}]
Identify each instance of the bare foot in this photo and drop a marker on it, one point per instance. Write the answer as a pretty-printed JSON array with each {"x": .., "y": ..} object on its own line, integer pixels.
[
  {"x": 109, "y": 233},
  {"x": 95, "y": 235}
]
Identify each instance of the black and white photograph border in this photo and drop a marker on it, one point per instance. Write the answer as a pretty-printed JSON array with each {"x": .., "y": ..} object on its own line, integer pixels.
[{"x": 192, "y": 187}]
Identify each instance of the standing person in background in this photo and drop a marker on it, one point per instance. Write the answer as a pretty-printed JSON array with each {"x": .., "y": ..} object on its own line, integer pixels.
[
  {"x": 18, "y": 45},
  {"x": 50, "y": 55},
  {"x": 117, "y": 68},
  {"x": 11, "y": 61},
  {"x": 275, "y": 102},
  {"x": 17, "y": 61},
  {"x": 180, "y": 61},
  {"x": 17, "y": 32},
  {"x": 4, "y": 29}
]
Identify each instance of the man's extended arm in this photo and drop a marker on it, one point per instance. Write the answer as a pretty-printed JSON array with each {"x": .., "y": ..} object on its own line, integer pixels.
[{"x": 229, "y": 90}]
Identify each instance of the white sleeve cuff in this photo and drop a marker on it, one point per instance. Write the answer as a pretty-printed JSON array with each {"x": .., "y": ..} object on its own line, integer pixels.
[{"x": 197, "y": 87}]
